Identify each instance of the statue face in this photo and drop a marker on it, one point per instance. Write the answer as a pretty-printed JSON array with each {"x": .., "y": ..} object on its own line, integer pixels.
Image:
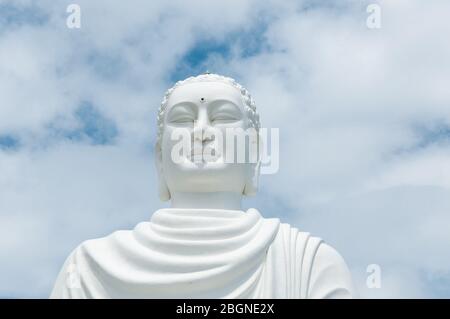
[{"x": 201, "y": 109}]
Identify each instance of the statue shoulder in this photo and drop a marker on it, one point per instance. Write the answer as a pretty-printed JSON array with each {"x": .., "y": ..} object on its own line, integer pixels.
[
  {"x": 330, "y": 276},
  {"x": 323, "y": 271},
  {"x": 99, "y": 251},
  {"x": 113, "y": 239}
]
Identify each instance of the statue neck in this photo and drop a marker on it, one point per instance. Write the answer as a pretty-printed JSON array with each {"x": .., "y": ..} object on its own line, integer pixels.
[{"x": 211, "y": 200}]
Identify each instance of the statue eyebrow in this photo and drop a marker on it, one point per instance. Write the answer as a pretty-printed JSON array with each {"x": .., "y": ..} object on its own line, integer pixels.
[
  {"x": 186, "y": 106},
  {"x": 219, "y": 102}
]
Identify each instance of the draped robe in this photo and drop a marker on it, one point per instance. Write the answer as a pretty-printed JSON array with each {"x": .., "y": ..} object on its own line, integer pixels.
[{"x": 205, "y": 253}]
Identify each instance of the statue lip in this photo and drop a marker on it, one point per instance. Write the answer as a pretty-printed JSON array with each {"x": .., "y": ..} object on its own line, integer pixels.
[{"x": 198, "y": 150}]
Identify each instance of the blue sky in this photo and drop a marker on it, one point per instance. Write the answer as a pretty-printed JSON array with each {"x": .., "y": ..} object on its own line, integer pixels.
[{"x": 364, "y": 119}]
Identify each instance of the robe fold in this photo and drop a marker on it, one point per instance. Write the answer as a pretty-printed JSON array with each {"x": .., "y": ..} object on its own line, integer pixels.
[{"x": 205, "y": 253}]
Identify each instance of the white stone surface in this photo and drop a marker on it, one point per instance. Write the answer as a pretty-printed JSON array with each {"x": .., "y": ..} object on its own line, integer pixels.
[
  {"x": 205, "y": 245},
  {"x": 189, "y": 253}
]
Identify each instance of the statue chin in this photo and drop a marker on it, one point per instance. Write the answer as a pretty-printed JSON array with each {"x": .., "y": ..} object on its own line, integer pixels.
[{"x": 205, "y": 245}]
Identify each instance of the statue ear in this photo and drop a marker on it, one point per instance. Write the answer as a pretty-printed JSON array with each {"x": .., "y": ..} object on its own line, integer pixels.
[
  {"x": 251, "y": 185},
  {"x": 252, "y": 179},
  {"x": 163, "y": 190}
]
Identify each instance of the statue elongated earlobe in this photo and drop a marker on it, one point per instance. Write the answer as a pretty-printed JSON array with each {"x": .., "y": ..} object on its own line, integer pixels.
[
  {"x": 163, "y": 190},
  {"x": 251, "y": 185},
  {"x": 252, "y": 179}
]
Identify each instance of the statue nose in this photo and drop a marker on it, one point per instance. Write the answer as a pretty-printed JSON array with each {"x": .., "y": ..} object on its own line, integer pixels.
[
  {"x": 201, "y": 136},
  {"x": 200, "y": 127}
]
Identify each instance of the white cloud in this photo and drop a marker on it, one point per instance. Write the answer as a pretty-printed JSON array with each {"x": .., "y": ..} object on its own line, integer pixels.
[
  {"x": 348, "y": 100},
  {"x": 52, "y": 200}
]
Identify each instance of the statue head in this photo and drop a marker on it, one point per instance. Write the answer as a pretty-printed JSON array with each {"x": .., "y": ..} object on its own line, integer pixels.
[{"x": 198, "y": 105}]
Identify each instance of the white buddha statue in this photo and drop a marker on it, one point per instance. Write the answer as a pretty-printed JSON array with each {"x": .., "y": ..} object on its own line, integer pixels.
[{"x": 205, "y": 245}]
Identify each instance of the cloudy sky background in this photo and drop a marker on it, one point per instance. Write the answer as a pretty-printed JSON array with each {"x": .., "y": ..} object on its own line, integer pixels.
[{"x": 364, "y": 118}]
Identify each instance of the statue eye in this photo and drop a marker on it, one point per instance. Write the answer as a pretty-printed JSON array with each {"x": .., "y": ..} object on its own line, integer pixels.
[
  {"x": 183, "y": 120},
  {"x": 182, "y": 114},
  {"x": 224, "y": 118},
  {"x": 224, "y": 111}
]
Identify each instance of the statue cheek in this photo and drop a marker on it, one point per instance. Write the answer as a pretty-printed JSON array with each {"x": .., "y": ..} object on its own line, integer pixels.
[{"x": 176, "y": 146}]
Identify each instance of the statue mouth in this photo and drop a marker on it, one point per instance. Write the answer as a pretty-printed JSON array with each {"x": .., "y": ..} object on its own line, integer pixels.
[{"x": 205, "y": 153}]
